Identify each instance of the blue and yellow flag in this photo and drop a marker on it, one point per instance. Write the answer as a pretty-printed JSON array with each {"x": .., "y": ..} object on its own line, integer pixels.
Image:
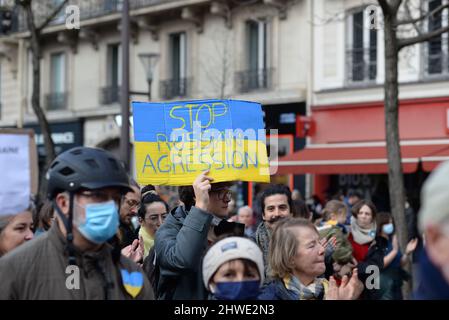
[{"x": 174, "y": 142}]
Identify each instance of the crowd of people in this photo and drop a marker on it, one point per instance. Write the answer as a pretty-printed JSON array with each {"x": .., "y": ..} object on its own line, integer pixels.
[{"x": 100, "y": 235}]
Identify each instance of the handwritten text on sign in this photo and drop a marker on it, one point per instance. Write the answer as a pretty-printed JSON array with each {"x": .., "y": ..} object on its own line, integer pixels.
[{"x": 174, "y": 142}]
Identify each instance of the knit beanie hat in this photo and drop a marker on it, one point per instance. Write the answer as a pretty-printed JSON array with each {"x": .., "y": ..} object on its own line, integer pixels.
[{"x": 230, "y": 249}]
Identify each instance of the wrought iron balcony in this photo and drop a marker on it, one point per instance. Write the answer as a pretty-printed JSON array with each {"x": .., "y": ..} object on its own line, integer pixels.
[
  {"x": 110, "y": 95},
  {"x": 89, "y": 9},
  {"x": 172, "y": 88},
  {"x": 250, "y": 80},
  {"x": 361, "y": 65},
  {"x": 56, "y": 101}
]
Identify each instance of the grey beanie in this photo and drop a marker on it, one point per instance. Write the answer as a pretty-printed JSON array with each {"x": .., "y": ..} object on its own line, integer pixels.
[{"x": 230, "y": 249}]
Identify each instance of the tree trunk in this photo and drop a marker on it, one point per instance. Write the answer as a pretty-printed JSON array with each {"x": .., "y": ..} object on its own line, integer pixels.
[
  {"x": 395, "y": 174},
  {"x": 35, "y": 100}
]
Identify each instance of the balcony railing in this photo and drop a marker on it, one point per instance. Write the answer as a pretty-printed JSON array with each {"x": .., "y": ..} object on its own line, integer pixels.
[
  {"x": 89, "y": 9},
  {"x": 172, "y": 88},
  {"x": 56, "y": 101},
  {"x": 361, "y": 65},
  {"x": 250, "y": 80},
  {"x": 109, "y": 95}
]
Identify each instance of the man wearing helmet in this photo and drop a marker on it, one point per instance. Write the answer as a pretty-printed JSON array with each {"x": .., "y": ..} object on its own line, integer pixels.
[{"x": 73, "y": 260}]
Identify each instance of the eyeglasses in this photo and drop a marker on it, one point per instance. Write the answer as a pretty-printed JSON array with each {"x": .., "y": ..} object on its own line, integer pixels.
[
  {"x": 100, "y": 196},
  {"x": 132, "y": 203},
  {"x": 154, "y": 218},
  {"x": 223, "y": 194}
]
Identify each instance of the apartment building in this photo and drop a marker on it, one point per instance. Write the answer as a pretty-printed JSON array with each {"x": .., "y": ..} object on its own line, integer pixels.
[
  {"x": 250, "y": 50},
  {"x": 346, "y": 150}
]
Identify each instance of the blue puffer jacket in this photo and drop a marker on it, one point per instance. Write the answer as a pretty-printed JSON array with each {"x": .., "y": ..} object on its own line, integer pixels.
[
  {"x": 276, "y": 290},
  {"x": 433, "y": 285}
]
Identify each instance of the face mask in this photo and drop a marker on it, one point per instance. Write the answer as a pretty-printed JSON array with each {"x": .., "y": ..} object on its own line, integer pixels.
[
  {"x": 135, "y": 222},
  {"x": 244, "y": 290},
  {"x": 101, "y": 221},
  {"x": 388, "y": 228},
  {"x": 39, "y": 231}
]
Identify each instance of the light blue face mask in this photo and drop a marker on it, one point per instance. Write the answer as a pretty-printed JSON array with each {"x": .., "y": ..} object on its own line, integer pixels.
[
  {"x": 388, "y": 228},
  {"x": 101, "y": 222}
]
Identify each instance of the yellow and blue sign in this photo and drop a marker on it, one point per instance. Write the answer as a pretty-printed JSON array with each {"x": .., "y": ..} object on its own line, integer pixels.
[{"x": 174, "y": 142}]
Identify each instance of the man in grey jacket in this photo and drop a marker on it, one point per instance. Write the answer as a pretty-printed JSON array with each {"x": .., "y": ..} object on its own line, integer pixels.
[{"x": 186, "y": 234}]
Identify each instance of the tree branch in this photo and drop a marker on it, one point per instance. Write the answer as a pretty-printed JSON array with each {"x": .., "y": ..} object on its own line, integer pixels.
[
  {"x": 409, "y": 13},
  {"x": 52, "y": 15},
  {"x": 429, "y": 14},
  {"x": 421, "y": 38},
  {"x": 385, "y": 7},
  {"x": 30, "y": 22}
]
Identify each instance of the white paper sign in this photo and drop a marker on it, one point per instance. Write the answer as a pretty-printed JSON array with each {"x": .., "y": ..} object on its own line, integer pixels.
[{"x": 14, "y": 173}]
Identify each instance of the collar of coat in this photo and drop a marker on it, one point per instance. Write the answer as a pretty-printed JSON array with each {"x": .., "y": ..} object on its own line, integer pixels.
[{"x": 83, "y": 259}]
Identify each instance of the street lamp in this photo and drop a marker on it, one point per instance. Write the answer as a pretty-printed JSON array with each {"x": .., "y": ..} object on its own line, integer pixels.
[{"x": 149, "y": 61}]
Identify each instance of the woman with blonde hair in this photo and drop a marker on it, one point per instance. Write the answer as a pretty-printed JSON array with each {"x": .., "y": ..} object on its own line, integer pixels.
[{"x": 297, "y": 261}]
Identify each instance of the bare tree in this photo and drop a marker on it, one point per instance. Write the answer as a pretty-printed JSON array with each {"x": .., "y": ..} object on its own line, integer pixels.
[
  {"x": 218, "y": 67},
  {"x": 35, "y": 26},
  {"x": 394, "y": 42}
]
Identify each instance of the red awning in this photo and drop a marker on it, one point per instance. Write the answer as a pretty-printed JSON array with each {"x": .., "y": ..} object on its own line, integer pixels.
[{"x": 328, "y": 159}]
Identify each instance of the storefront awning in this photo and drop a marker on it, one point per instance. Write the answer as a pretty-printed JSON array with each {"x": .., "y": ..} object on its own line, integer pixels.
[{"x": 328, "y": 159}]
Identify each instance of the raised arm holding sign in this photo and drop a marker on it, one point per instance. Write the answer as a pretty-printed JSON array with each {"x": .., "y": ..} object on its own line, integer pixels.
[{"x": 175, "y": 142}]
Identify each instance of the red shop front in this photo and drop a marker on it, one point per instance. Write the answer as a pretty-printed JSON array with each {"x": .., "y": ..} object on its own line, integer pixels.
[{"x": 349, "y": 140}]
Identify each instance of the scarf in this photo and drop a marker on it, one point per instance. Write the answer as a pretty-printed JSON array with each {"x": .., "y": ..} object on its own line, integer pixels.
[
  {"x": 361, "y": 235},
  {"x": 263, "y": 236},
  {"x": 314, "y": 291},
  {"x": 148, "y": 241}
]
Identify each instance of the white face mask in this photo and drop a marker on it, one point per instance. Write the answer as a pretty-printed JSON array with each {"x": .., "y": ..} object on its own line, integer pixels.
[{"x": 135, "y": 222}]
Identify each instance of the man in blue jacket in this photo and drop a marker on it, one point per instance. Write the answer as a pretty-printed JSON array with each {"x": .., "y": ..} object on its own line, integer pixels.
[
  {"x": 187, "y": 232},
  {"x": 434, "y": 223}
]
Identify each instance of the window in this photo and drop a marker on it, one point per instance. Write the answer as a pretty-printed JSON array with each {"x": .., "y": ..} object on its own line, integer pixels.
[
  {"x": 57, "y": 97},
  {"x": 60, "y": 17},
  {"x": 114, "y": 65},
  {"x": 437, "y": 49},
  {"x": 258, "y": 74},
  {"x": 178, "y": 56},
  {"x": 111, "y": 93},
  {"x": 361, "y": 55},
  {"x": 176, "y": 86},
  {"x": 257, "y": 58}
]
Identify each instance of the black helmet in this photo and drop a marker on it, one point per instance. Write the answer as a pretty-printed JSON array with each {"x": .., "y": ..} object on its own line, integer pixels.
[{"x": 83, "y": 167}]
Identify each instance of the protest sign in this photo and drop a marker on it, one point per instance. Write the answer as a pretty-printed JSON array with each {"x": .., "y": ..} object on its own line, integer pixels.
[
  {"x": 19, "y": 170},
  {"x": 174, "y": 142}
]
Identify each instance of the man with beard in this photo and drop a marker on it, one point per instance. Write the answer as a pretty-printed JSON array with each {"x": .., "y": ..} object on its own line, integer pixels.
[{"x": 276, "y": 203}]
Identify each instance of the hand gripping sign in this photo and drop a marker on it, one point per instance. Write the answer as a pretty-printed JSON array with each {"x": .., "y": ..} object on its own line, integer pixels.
[{"x": 176, "y": 141}]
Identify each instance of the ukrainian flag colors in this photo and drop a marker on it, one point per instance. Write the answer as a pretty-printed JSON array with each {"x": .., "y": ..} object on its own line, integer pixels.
[
  {"x": 132, "y": 282},
  {"x": 174, "y": 142}
]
